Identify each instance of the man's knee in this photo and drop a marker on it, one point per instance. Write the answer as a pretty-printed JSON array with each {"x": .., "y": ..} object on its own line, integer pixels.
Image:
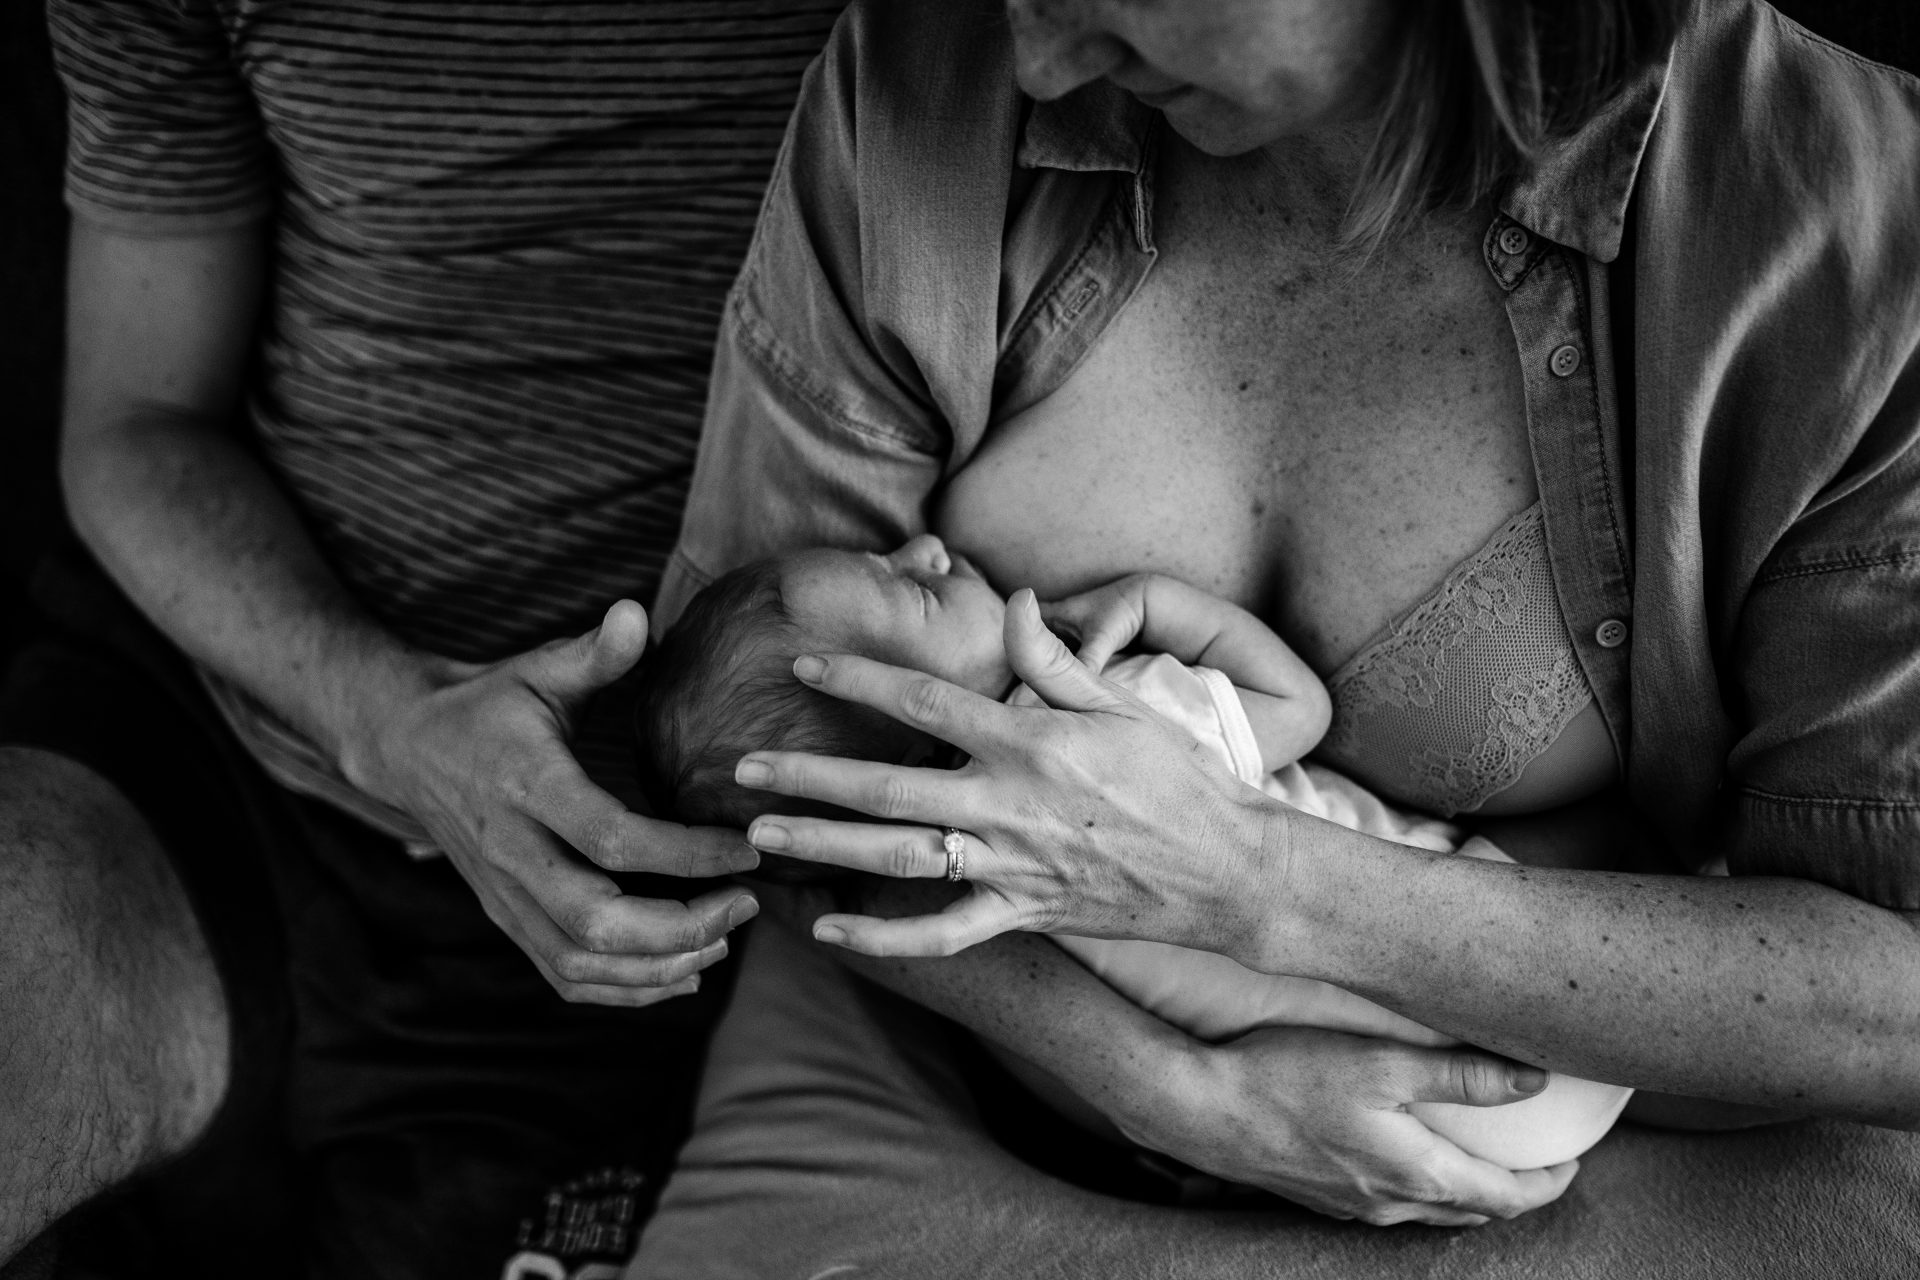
[{"x": 115, "y": 1044}]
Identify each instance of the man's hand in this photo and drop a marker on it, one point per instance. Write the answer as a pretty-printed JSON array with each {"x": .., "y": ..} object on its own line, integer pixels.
[
  {"x": 480, "y": 758},
  {"x": 1320, "y": 1118}
]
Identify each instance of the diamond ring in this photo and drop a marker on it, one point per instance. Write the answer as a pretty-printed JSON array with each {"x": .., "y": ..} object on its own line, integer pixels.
[{"x": 956, "y": 846}]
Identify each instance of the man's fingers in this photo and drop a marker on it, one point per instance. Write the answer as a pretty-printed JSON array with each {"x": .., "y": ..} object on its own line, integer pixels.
[
  {"x": 948, "y": 712},
  {"x": 897, "y": 793},
  {"x": 1063, "y": 681},
  {"x": 619, "y": 997},
  {"x": 565, "y": 961},
  {"x": 594, "y": 916},
  {"x": 571, "y": 669},
  {"x": 568, "y": 803},
  {"x": 967, "y": 922},
  {"x": 903, "y": 853}
]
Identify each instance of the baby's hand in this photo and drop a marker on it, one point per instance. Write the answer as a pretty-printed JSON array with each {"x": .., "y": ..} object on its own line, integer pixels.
[{"x": 1104, "y": 620}]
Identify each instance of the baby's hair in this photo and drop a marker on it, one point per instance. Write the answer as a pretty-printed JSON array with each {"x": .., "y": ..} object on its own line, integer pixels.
[{"x": 721, "y": 684}]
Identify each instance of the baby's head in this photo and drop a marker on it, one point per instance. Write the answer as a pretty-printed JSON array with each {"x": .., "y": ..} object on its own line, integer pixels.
[{"x": 721, "y": 684}]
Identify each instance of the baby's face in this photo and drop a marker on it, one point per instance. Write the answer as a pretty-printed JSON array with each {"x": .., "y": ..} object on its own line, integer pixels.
[{"x": 919, "y": 607}]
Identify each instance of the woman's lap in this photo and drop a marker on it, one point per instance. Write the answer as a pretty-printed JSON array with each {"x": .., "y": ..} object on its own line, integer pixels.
[{"x": 835, "y": 1136}]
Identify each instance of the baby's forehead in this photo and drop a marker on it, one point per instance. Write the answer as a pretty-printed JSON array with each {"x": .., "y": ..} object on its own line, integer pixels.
[
  {"x": 828, "y": 587},
  {"x": 828, "y": 567}
]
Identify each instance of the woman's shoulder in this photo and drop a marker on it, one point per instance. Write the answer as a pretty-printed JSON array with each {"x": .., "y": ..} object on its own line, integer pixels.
[
  {"x": 906, "y": 93},
  {"x": 1759, "y": 108}
]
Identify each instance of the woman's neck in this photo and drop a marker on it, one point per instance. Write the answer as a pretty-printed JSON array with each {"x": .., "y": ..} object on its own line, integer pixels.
[{"x": 1315, "y": 174}]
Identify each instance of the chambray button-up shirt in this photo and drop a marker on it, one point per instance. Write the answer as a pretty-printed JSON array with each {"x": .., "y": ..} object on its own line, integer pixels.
[{"x": 1725, "y": 418}]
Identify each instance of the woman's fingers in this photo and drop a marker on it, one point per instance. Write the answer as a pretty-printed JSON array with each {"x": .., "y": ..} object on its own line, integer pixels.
[
  {"x": 1050, "y": 670},
  {"x": 905, "y": 853},
  {"x": 981, "y": 915},
  {"x": 1465, "y": 1184},
  {"x": 946, "y": 711},
  {"x": 1470, "y": 1077},
  {"x": 897, "y": 793}
]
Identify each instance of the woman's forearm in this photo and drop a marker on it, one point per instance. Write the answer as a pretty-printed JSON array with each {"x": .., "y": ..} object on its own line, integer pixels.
[
  {"x": 1024, "y": 994},
  {"x": 1769, "y": 992}
]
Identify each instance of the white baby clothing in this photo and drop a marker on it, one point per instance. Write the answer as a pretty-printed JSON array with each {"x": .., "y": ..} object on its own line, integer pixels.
[{"x": 1215, "y": 998}]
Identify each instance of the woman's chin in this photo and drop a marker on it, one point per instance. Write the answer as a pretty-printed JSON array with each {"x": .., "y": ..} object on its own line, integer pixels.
[{"x": 1217, "y": 128}]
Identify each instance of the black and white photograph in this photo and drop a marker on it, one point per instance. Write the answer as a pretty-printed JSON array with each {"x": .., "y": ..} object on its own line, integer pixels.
[{"x": 960, "y": 639}]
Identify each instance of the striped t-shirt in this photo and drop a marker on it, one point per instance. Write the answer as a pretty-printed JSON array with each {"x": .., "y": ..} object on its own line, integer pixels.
[{"x": 503, "y": 235}]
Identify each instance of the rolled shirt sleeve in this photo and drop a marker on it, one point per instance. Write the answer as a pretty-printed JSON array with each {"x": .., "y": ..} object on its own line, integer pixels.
[
  {"x": 164, "y": 137},
  {"x": 1825, "y": 779},
  {"x": 844, "y": 373}
]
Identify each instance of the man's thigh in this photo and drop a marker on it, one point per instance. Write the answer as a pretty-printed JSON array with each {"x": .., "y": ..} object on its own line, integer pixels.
[
  {"x": 835, "y": 1137},
  {"x": 159, "y": 973},
  {"x": 434, "y": 1091}
]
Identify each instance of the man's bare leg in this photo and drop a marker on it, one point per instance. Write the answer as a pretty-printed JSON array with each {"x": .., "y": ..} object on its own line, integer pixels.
[{"x": 113, "y": 1029}]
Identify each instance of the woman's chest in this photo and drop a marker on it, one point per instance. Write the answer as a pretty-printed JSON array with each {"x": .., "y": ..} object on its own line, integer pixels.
[{"x": 1317, "y": 444}]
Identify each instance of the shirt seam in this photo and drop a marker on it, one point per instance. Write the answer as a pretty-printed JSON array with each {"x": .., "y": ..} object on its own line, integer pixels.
[
  {"x": 1832, "y": 802},
  {"x": 1582, "y": 287},
  {"x": 1839, "y": 564},
  {"x": 1053, "y": 290}
]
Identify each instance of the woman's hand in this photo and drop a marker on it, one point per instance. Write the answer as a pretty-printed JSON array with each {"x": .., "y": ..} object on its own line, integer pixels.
[
  {"x": 1320, "y": 1118},
  {"x": 479, "y": 757},
  {"x": 1097, "y": 818}
]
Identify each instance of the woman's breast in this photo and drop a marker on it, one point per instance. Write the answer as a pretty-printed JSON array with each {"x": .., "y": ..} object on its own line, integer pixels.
[
  {"x": 1320, "y": 455},
  {"x": 1318, "y": 451}
]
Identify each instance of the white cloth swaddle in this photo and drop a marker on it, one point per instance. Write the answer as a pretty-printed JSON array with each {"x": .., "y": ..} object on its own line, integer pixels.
[{"x": 1215, "y": 998}]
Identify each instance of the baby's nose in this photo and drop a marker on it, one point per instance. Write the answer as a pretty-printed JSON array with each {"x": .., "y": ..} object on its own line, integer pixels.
[{"x": 926, "y": 552}]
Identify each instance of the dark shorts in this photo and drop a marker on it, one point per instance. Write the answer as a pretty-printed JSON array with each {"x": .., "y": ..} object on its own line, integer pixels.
[{"x": 410, "y": 1098}]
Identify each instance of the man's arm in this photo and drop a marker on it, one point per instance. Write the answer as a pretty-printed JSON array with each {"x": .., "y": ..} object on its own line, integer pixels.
[{"x": 165, "y": 489}]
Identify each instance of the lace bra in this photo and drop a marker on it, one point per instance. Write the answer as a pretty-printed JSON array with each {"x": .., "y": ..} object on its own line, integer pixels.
[{"x": 1451, "y": 702}]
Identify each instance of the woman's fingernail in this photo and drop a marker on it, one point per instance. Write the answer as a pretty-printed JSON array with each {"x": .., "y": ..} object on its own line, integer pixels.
[
  {"x": 830, "y": 933},
  {"x": 753, "y": 773},
  {"x": 809, "y": 668},
  {"x": 1527, "y": 1079},
  {"x": 742, "y": 910},
  {"x": 715, "y": 950},
  {"x": 767, "y": 835}
]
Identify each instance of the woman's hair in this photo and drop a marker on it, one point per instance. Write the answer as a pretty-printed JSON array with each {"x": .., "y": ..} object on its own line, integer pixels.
[
  {"x": 1482, "y": 85},
  {"x": 720, "y": 685}
]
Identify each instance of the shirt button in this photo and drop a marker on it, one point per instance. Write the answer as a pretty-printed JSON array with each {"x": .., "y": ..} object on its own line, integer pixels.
[
  {"x": 1514, "y": 241},
  {"x": 1610, "y": 634},
  {"x": 1564, "y": 360}
]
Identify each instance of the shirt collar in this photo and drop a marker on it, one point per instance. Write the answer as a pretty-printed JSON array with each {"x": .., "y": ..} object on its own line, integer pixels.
[
  {"x": 1097, "y": 128},
  {"x": 1577, "y": 191},
  {"x": 1576, "y": 194}
]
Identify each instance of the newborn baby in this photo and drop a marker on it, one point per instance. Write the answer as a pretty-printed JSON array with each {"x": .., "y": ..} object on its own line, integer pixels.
[{"x": 722, "y": 685}]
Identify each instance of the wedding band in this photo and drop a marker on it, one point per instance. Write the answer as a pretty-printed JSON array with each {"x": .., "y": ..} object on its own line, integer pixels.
[{"x": 956, "y": 846}]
